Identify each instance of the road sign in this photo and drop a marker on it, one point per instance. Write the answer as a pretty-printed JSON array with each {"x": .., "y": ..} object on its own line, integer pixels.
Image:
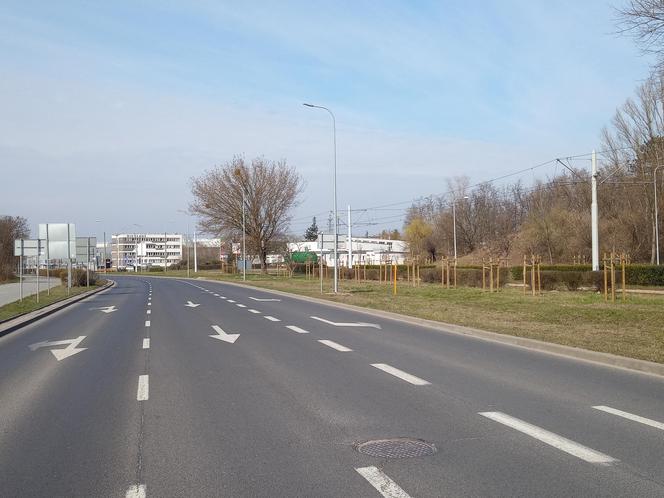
[
  {"x": 61, "y": 238},
  {"x": 27, "y": 247}
]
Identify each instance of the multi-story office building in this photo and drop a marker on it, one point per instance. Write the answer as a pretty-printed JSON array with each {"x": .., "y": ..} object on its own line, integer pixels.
[{"x": 142, "y": 250}]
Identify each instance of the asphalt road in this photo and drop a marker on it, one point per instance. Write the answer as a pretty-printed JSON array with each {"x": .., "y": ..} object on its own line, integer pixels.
[{"x": 155, "y": 406}]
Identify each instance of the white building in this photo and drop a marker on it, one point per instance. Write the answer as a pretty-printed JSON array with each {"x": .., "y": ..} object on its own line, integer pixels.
[
  {"x": 142, "y": 250},
  {"x": 365, "y": 250}
]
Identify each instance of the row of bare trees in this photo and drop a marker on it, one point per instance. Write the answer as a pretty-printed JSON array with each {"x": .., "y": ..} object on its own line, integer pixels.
[{"x": 11, "y": 228}]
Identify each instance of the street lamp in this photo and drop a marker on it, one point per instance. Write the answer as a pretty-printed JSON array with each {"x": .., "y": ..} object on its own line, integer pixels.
[
  {"x": 100, "y": 221},
  {"x": 454, "y": 225},
  {"x": 238, "y": 173},
  {"x": 334, "y": 135},
  {"x": 188, "y": 240}
]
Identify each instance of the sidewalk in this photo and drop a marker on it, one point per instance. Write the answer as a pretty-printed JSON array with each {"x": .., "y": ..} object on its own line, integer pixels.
[{"x": 12, "y": 292}]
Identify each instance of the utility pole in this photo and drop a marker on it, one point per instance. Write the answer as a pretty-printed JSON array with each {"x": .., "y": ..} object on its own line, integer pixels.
[
  {"x": 350, "y": 241},
  {"x": 244, "y": 238},
  {"x": 195, "y": 258},
  {"x": 594, "y": 214},
  {"x": 654, "y": 180}
]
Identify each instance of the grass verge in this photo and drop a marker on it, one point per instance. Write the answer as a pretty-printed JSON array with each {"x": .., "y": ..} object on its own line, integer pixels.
[
  {"x": 634, "y": 329},
  {"x": 29, "y": 303}
]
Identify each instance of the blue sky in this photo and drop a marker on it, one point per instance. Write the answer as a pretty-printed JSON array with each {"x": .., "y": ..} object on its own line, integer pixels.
[{"x": 134, "y": 98}]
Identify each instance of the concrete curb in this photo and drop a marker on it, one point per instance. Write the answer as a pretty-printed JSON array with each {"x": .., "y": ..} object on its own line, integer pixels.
[
  {"x": 20, "y": 321},
  {"x": 605, "y": 359}
]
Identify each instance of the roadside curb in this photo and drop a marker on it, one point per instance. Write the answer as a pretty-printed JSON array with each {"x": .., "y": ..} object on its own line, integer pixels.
[
  {"x": 20, "y": 321},
  {"x": 605, "y": 359}
]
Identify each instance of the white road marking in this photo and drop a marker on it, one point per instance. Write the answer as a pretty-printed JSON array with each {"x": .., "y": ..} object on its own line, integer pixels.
[
  {"x": 189, "y": 304},
  {"x": 106, "y": 309},
  {"x": 61, "y": 354},
  {"x": 148, "y": 311},
  {"x": 383, "y": 484},
  {"x": 143, "y": 392},
  {"x": 149, "y": 304},
  {"x": 137, "y": 491},
  {"x": 334, "y": 345},
  {"x": 559, "y": 442},
  {"x": 264, "y": 300},
  {"x": 240, "y": 305},
  {"x": 222, "y": 297},
  {"x": 297, "y": 329},
  {"x": 146, "y": 343},
  {"x": 271, "y": 318},
  {"x": 253, "y": 311},
  {"x": 231, "y": 301},
  {"x": 216, "y": 295},
  {"x": 147, "y": 323},
  {"x": 631, "y": 416},
  {"x": 223, "y": 336},
  {"x": 401, "y": 374},
  {"x": 347, "y": 324}
]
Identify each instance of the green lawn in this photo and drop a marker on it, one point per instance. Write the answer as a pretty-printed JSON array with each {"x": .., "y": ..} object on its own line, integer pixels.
[
  {"x": 30, "y": 302},
  {"x": 582, "y": 319}
]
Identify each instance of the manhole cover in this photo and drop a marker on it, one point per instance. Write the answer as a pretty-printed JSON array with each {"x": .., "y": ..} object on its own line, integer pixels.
[{"x": 396, "y": 448}]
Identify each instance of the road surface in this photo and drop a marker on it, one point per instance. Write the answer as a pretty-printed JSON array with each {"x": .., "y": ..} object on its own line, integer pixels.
[{"x": 171, "y": 388}]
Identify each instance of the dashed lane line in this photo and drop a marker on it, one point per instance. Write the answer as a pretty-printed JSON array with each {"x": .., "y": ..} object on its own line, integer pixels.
[
  {"x": 143, "y": 391},
  {"x": 241, "y": 305},
  {"x": 230, "y": 301},
  {"x": 381, "y": 482},
  {"x": 148, "y": 312},
  {"x": 137, "y": 491},
  {"x": 147, "y": 323},
  {"x": 401, "y": 374},
  {"x": 146, "y": 343},
  {"x": 297, "y": 329},
  {"x": 256, "y": 312},
  {"x": 271, "y": 318},
  {"x": 631, "y": 416},
  {"x": 334, "y": 345},
  {"x": 559, "y": 442}
]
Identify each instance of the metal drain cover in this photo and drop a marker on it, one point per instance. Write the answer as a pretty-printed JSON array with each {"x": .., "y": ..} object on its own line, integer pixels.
[{"x": 396, "y": 448}]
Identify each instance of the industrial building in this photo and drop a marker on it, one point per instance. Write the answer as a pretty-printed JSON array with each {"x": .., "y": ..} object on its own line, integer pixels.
[{"x": 364, "y": 250}]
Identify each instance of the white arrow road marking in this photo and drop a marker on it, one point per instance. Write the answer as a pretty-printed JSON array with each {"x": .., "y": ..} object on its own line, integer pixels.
[
  {"x": 106, "y": 309},
  {"x": 383, "y": 484},
  {"x": 631, "y": 416},
  {"x": 191, "y": 305},
  {"x": 137, "y": 491},
  {"x": 264, "y": 300},
  {"x": 223, "y": 336},
  {"x": 61, "y": 354},
  {"x": 347, "y": 324},
  {"x": 559, "y": 442}
]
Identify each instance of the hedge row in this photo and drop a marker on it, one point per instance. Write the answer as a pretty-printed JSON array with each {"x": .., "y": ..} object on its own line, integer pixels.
[{"x": 575, "y": 276}]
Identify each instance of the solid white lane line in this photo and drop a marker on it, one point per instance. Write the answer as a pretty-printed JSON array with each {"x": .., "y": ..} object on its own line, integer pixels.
[
  {"x": 559, "y": 442},
  {"x": 240, "y": 305},
  {"x": 334, "y": 345},
  {"x": 294, "y": 328},
  {"x": 147, "y": 323},
  {"x": 383, "y": 484},
  {"x": 136, "y": 491},
  {"x": 271, "y": 318},
  {"x": 143, "y": 392},
  {"x": 253, "y": 311},
  {"x": 631, "y": 416},
  {"x": 146, "y": 343},
  {"x": 230, "y": 301},
  {"x": 401, "y": 374},
  {"x": 148, "y": 311}
]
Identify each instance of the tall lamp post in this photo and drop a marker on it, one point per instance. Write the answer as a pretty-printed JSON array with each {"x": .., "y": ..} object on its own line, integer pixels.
[
  {"x": 99, "y": 221},
  {"x": 454, "y": 225},
  {"x": 654, "y": 184},
  {"x": 334, "y": 136}
]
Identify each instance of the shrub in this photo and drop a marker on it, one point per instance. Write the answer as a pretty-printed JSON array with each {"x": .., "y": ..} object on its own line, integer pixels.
[{"x": 78, "y": 277}]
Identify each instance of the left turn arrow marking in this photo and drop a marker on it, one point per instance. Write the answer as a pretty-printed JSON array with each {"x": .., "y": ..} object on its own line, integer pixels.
[{"x": 61, "y": 354}]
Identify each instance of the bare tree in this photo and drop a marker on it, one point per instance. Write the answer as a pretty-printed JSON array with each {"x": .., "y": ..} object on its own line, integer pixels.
[
  {"x": 271, "y": 190},
  {"x": 644, "y": 20},
  {"x": 11, "y": 228}
]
